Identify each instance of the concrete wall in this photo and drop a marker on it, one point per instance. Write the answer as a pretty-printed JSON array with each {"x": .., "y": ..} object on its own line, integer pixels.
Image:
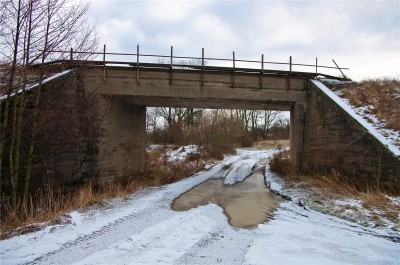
[
  {"x": 333, "y": 140},
  {"x": 297, "y": 118},
  {"x": 95, "y": 126},
  {"x": 61, "y": 141},
  {"x": 121, "y": 143}
]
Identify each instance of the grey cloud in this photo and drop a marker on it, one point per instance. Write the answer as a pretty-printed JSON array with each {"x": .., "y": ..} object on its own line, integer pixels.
[{"x": 347, "y": 30}]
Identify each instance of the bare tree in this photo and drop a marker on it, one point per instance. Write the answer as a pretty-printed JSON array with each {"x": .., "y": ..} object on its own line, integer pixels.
[
  {"x": 30, "y": 31},
  {"x": 268, "y": 120}
]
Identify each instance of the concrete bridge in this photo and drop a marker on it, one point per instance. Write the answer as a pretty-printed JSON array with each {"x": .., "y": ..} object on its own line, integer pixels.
[{"x": 323, "y": 135}]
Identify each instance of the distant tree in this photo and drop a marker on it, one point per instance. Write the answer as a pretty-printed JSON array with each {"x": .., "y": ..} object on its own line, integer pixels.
[
  {"x": 281, "y": 127},
  {"x": 268, "y": 119}
]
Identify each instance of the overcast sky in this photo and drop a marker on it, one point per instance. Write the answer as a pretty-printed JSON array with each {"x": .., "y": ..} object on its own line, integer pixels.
[{"x": 361, "y": 35}]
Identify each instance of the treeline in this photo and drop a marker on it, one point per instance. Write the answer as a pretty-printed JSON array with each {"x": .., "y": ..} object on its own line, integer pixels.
[{"x": 216, "y": 131}]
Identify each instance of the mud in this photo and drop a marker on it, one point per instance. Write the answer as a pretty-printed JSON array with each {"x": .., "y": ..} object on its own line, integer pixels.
[{"x": 246, "y": 204}]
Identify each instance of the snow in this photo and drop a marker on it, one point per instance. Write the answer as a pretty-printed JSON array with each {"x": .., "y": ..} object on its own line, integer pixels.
[
  {"x": 346, "y": 107},
  {"x": 182, "y": 153},
  {"x": 240, "y": 171},
  {"x": 30, "y": 246},
  {"x": 46, "y": 80},
  {"x": 162, "y": 239},
  {"x": 299, "y": 236},
  {"x": 143, "y": 229}
]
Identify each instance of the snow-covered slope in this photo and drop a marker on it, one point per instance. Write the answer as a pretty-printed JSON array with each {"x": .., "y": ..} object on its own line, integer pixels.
[
  {"x": 389, "y": 142},
  {"x": 34, "y": 85}
]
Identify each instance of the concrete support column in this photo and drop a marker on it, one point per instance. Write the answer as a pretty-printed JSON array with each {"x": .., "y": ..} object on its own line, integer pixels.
[
  {"x": 122, "y": 151},
  {"x": 296, "y": 133}
]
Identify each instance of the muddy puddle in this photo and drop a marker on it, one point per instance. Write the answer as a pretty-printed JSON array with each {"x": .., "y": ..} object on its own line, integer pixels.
[{"x": 246, "y": 204}]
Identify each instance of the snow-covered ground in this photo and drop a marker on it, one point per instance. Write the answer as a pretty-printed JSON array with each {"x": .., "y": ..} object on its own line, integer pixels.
[{"x": 144, "y": 230}]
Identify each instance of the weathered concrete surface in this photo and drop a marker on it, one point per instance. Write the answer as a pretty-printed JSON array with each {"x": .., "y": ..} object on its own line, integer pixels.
[
  {"x": 297, "y": 116},
  {"x": 124, "y": 96},
  {"x": 154, "y": 87},
  {"x": 93, "y": 121},
  {"x": 97, "y": 122},
  {"x": 121, "y": 144},
  {"x": 63, "y": 149},
  {"x": 333, "y": 140}
]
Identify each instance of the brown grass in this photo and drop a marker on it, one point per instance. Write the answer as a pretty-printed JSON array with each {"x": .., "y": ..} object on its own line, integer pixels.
[
  {"x": 332, "y": 182},
  {"x": 382, "y": 94},
  {"x": 375, "y": 199},
  {"x": 51, "y": 202},
  {"x": 276, "y": 144},
  {"x": 335, "y": 185}
]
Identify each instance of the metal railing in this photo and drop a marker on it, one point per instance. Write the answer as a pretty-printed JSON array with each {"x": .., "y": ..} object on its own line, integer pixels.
[{"x": 201, "y": 63}]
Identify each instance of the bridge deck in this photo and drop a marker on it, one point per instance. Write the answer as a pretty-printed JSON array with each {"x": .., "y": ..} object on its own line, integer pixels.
[{"x": 193, "y": 88}]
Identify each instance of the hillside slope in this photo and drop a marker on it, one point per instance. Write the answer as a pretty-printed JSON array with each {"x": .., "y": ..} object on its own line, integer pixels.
[{"x": 376, "y": 100}]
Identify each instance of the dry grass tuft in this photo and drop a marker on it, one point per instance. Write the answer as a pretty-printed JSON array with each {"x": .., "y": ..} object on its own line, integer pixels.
[
  {"x": 333, "y": 183},
  {"x": 375, "y": 199},
  {"x": 282, "y": 164}
]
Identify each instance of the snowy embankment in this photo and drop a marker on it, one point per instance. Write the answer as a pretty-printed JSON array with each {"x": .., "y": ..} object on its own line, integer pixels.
[
  {"x": 377, "y": 128},
  {"x": 144, "y": 230},
  {"x": 34, "y": 85}
]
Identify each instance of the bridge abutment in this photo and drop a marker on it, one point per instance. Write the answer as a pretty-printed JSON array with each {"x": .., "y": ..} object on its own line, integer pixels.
[
  {"x": 121, "y": 144},
  {"x": 335, "y": 141},
  {"x": 297, "y": 132}
]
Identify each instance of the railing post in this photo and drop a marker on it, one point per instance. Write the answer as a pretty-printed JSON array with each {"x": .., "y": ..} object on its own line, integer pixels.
[
  {"x": 71, "y": 55},
  {"x": 339, "y": 69},
  {"x": 171, "y": 64},
  {"x": 202, "y": 66},
  {"x": 234, "y": 67},
  {"x": 290, "y": 73},
  {"x": 137, "y": 64},
  {"x": 104, "y": 63},
  {"x": 316, "y": 66},
  {"x": 104, "y": 54},
  {"x": 262, "y": 70}
]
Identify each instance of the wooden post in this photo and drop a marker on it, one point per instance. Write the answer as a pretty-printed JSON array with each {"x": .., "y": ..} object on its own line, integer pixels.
[
  {"x": 71, "y": 56},
  {"x": 233, "y": 72},
  {"x": 202, "y": 67},
  {"x": 171, "y": 63},
  {"x": 137, "y": 65},
  {"x": 262, "y": 70}
]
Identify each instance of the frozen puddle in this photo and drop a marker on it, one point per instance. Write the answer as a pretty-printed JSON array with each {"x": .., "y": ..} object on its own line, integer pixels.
[{"x": 246, "y": 204}]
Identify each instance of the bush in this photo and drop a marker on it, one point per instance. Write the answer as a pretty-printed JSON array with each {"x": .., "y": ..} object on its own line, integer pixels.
[{"x": 282, "y": 164}]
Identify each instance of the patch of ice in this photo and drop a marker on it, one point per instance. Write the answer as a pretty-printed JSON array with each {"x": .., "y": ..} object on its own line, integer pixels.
[{"x": 240, "y": 171}]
